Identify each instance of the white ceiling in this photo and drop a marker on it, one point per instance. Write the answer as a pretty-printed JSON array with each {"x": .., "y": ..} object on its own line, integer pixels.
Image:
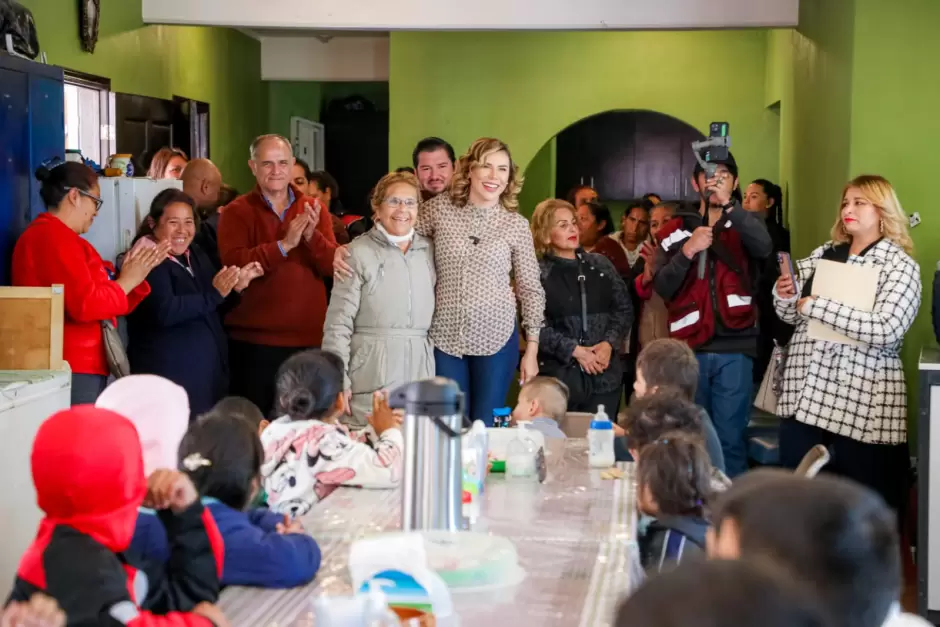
[{"x": 385, "y": 15}]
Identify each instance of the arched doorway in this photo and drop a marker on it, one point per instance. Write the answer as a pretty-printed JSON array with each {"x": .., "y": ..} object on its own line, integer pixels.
[{"x": 626, "y": 154}]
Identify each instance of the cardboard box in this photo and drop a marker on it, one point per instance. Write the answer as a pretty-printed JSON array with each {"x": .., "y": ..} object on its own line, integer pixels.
[{"x": 31, "y": 326}]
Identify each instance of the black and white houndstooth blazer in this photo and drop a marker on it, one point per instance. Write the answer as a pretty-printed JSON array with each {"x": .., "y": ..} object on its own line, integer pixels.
[{"x": 854, "y": 391}]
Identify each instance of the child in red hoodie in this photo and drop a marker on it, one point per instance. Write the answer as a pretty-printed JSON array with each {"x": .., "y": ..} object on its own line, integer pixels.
[{"x": 88, "y": 470}]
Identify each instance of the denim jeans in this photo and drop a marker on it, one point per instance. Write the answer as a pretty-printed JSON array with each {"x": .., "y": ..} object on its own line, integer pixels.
[
  {"x": 484, "y": 379},
  {"x": 725, "y": 381},
  {"x": 87, "y": 387}
]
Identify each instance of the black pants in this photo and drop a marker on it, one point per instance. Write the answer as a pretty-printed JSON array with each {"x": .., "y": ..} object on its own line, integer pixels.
[
  {"x": 629, "y": 374},
  {"x": 253, "y": 370},
  {"x": 885, "y": 468}
]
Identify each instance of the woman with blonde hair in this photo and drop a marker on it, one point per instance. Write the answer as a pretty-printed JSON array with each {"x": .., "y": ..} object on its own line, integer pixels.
[
  {"x": 378, "y": 318},
  {"x": 168, "y": 163},
  {"x": 480, "y": 241},
  {"x": 851, "y": 397},
  {"x": 587, "y": 311}
]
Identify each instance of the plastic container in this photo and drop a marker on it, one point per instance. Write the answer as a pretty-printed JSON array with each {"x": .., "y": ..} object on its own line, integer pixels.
[
  {"x": 398, "y": 564},
  {"x": 502, "y": 417},
  {"x": 522, "y": 456},
  {"x": 369, "y": 607},
  {"x": 601, "y": 441},
  {"x": 475, "y": 455}
]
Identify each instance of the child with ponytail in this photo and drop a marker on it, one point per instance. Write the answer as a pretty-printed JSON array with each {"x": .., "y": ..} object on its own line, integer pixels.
[{"x": 308, "y": 453}]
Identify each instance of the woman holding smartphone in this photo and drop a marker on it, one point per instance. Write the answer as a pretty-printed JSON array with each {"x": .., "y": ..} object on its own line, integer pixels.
[{"x": 852, "y": 398}]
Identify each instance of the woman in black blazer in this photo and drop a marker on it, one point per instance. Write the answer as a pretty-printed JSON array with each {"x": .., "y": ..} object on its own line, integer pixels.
[{"x": 177, "y": 332}]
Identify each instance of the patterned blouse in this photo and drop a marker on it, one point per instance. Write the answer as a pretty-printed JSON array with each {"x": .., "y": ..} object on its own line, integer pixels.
[
  {"x": 475, "y": 250},
  {"x": 854, "y": 391}
]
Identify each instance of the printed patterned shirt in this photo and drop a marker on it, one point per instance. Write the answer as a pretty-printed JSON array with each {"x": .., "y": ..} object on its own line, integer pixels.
[{"x": 475, "y": 250}]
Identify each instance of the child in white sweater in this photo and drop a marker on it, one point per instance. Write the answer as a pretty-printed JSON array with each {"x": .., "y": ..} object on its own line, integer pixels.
[{"x": 308, "y": 454}]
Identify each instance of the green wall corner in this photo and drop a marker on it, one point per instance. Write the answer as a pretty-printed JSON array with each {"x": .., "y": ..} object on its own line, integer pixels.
[
  {"x": 539, "y": 181},
  {"x": 215, "y": 65},
  {"x": 287, "y": 99}
]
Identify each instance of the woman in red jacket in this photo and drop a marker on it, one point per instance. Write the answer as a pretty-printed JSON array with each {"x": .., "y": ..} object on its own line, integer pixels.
[{"x": 51, "y": 251}]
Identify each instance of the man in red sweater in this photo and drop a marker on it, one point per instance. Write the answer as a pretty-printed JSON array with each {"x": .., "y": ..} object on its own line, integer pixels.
[{"x": 290, "y": 234}]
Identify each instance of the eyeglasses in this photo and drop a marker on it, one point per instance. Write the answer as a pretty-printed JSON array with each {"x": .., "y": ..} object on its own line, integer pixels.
[
  {"x": 394, "y": 202},
  {"x": 98, "y": 201}
]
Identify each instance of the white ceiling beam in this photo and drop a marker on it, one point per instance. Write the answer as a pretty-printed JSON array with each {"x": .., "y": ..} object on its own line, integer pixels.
[
  {"x": 286, "y": 58},
  {"x": 385, "y": 15}
]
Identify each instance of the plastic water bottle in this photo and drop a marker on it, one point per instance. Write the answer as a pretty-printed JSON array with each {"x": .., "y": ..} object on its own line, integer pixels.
[
  {"x": 601, "y": 440},
  {"x": 475, "y": 457},
  {"x": 502, "y": 416},
  {"x": 521, "y": 456}
]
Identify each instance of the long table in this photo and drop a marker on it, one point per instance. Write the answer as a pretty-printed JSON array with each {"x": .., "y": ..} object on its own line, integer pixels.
[{"x": 575, "y": 536}]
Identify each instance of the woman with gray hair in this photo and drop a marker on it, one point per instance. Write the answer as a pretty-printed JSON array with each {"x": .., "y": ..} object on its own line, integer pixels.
[{"x": 378, "y": 319}]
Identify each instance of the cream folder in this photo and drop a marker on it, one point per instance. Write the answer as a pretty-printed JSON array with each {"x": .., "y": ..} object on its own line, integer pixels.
[{"x": 844, "y": 283}]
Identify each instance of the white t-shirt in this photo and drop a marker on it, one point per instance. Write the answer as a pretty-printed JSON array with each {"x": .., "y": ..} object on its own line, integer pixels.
[{"x": 897, "y": 618}]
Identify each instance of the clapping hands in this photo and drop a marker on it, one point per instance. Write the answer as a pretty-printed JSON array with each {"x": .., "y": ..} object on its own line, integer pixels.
[
  {"x": 313, "y": 215},
  {"x": 247, "y": 274}
]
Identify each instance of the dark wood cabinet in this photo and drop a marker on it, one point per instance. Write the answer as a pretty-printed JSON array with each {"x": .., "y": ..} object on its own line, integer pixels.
[
  {"x": 144, "y": 126},
  {"x": 626, "y": 154}
]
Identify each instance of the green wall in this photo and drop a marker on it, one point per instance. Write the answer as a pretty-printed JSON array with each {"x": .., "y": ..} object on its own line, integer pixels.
[
  {"x": 526, "y": 87},
  {"x": 816, "y": 112},
  {"x": 287, "y": 99},
  {"x": 895, "y": 129},
  {"x": 214, "y": 65},
  {"x": 539, "y": 181}
]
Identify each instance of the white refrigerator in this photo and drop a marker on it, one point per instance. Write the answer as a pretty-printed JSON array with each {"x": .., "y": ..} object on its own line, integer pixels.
[
  {"x": 126, "y": 204},
  {"x": 27, "y": 398}
]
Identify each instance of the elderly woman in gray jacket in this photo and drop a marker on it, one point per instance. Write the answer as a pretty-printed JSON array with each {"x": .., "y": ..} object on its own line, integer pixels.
[{"x": 378, "y": 319}]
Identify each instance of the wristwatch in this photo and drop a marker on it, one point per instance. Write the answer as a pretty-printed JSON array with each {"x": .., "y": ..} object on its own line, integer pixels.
[{"x": 728, "y": 206}]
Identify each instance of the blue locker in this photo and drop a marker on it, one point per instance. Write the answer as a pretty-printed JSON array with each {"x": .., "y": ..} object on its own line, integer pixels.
[{"x": 32, "y": 129}]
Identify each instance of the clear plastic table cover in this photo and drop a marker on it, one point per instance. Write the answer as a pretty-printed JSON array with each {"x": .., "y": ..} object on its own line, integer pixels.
[{"x": 575, "y": 536}]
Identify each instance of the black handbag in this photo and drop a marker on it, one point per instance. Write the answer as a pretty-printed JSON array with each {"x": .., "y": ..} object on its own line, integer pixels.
[{"x": 580, "y": 384}]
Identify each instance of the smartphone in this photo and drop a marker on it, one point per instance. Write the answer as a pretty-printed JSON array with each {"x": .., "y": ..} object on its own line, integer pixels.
[
  {"x": 786, "y": 264},
  {"x": 718, "y": 153}
]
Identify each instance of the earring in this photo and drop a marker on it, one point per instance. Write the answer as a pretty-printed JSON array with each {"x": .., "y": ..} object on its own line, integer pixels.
[{"x": 881, "y": 225}]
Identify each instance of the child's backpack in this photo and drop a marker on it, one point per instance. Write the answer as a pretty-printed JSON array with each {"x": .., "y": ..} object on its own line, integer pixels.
[{"x": 669, "y": 539}]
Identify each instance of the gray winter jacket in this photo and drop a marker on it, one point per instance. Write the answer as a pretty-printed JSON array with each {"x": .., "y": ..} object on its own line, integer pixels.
[{"x": 378, "y": 319}]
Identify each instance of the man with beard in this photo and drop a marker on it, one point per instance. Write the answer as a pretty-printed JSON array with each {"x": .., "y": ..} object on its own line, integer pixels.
[{"x": 433, "y": 160}]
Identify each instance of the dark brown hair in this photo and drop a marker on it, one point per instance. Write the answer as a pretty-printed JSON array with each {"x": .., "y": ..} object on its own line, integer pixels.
[
  {"x": 719, "y": 593},
  {"x": 308, "y": 384},
  {"x": 234, "y": 452},
  {"x": 58, "y": 180},
  {"x": 571, "y": 197},
  {"x": 647, "y": 419},
  {"x": 601, "y": 214},
  {"x": 161, "y": 201},
  {"x": 161, "y": 160},
  {"x": 227, "y": 194},
  {"x": 676, "y": 470},
  {"x": 668, "y": 362},
  {"x": 838, "y": 537},
  {"x": 241, "y": 407},
  {"x": 325, "y": 181}
]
